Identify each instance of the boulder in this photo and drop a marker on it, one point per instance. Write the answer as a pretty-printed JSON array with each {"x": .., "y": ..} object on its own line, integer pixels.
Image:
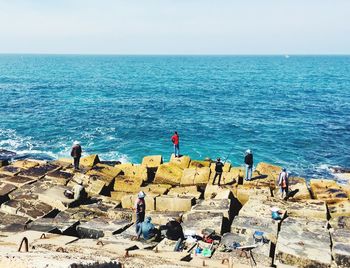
[
  {"x": 127, "y": 184},
  {"x": 185, "y": 191},
  {"x": 152, "y": 161},
  {"x": 182, "y": 162},
  {"x": 168, "y": 174},
  {"x": 339, "y": 209},
  {"x": 199, "y": 164},
  {"x": 244, "y": 192},
  {"x": 217, "y": 192},
  {"x": 173, "y": 203},
  {"x": 199, "y": 220},
  {"x": 303, "y": 245},
  {"x": 90, "y": 160},
  {"x": 327, "y": 190},
  {"x": 195, "y": 176}
]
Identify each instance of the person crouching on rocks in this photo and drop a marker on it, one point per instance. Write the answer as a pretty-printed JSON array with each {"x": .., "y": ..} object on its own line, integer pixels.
[
  {"x": 283, "y": 183},
  {"x": 218, "y": 170},
  {"x": 173, "y": 231},
  {"x": 147, "y": 230},
  {"x": 76, "y": 154},
  {"x": 140, "y": 208}
]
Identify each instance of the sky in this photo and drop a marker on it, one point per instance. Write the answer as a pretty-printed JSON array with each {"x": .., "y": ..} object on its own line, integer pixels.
[{"x": 175, "y": 26}]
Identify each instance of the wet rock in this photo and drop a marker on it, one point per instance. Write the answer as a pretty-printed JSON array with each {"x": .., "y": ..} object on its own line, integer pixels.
[
  {"x": 127, "y": 184},
  {"x": 18, "y": 181},
  {"x": 185, "y": 191},
  {"x": 195, "y": 176},
  {"x": 27, "y": 206},
  {"x": 59, "y": 177},
  {"x": 200, "y": 220},
  {"x": 90, "y": 160},
  {"x": 152, "y": 161},
  {"x": 339, "y": 209},
  {"x": 199, "y": 164},
  {"x": 10, "y": 170},
  {"x": 171, "y": 203},
  {"x": 38, "y": 172},
  {"x": 12, "y": 223},
  {"x": 54, "y": 225},
  {"x": 304, "y": 244},
  {"x": 328, "y": 191},
  {"x": 169, "y": 174},
  {"x": 182, "y": 162},
  {"x": 248, "y": 225}
]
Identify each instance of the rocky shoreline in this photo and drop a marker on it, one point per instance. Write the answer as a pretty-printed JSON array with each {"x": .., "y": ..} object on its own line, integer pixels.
[{"x": 314, "y": 229}]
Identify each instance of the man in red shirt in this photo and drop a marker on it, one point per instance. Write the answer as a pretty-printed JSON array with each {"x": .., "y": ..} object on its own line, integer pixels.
[{"x": 176, "y": 139}]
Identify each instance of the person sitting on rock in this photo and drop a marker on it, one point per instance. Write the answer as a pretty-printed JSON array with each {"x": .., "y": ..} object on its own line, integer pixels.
[
  {"x": 283, "y": 183},
  {"x": 140, "y": 208},
  {"x": 173, "y": 231},
  {"x": 147, "y": 230},
  {"x": 218, "y": 170},
  {"x": 76, "y": 154}
]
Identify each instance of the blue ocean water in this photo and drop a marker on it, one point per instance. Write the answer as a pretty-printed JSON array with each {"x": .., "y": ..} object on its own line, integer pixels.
[{"x": 290, "y": 111}]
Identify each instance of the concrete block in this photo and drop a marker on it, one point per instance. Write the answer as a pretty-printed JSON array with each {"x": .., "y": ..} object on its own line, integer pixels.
[
  {"x": 244, "y": 192},
  {"x": 328, "y": 191},
  {"x": 214, "y": 205},
  {"x": 160, "y": 189},
  {"x": 171, "y": 203},
  {"x": 127, "y": 184},
  {"x": 261, "y": 208},
  {"x": 342, "y": 222},
  {"x": 18, "y": 181},
  {"x": 52, "y": 225},
  {"x": 90, "y": 160},
  {"x": 217, "y": 192},
  {"x": 163, "y": 217},
  {"x": 168, "y": 174},
  {"x": 199, "y": 164},
  {"x": 25, "y": 164},
  {"x": 195, "y": 176},
  {"x": 120, "y": 214},
  {"x": 298, "y": 189},
  {"x": 38, "y": 172},
  {"x": 311, "y": 209},
  {"x": 117, "y": 196},
  {"x": 269, "y": 170},
  {"x": 341, "y": 208},
  {"x": 182, "y": 162},
  {"x": 152, "y": 161},
  {"x": 12, "y": 223},
  {"x": 200, "y": 220},
  {"x": 60, "y": 177},
  {"x": 107, "y": 170},
  {"x": 55, "y": 197},
  {"x": 101, "y": 227},
  {"x": 5, "y": 189},
  {"x": 128, "y": 201},
  {"x": 185, "y": 191},
  {"x": 136, "y": 172},
  {"x": 226, "y": 168},
  {"x": 10, "y": 170}
]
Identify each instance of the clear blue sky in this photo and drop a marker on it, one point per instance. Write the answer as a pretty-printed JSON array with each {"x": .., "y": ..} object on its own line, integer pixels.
[{"x": 175, "y": 26}]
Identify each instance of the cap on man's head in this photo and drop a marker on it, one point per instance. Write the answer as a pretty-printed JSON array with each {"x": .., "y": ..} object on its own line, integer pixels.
[
  {"x": 76, "y": 143},
  {"x": 141, "y": 194},
  {"x": 218, "y": 159}
]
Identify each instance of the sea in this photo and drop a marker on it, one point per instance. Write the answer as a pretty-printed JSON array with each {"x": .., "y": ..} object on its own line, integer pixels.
[{"x": 291, "y": 111}]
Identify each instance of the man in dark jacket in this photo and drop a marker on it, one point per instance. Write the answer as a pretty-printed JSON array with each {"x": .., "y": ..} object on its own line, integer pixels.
[
  {"x": 173, "y": 231},
  {"x": 218, "y": 170},
  {"x": 248, "y": 160},
  {"x": 76, "y": 154}
]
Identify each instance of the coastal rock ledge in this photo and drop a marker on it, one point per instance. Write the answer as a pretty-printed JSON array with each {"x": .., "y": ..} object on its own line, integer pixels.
[{"x": 230, "y": 225}]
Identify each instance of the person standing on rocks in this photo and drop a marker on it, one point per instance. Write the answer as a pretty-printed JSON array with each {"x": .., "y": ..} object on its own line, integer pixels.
[
  {"x": 248, "y": 160},
  {"x": 283, "y": 183},
  {"x": 76, "y": 154},
  {"x": 176, "y": 141},
  {"x": 140, "y": 208},
  {"x": 218, "y": 170}
]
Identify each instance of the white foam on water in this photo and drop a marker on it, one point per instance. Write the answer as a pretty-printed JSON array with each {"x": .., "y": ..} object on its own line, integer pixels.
[{"x": 115, "y": 156}]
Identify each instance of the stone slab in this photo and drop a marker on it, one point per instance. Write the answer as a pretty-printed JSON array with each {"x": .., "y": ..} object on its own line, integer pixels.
[
  {"x": 107, "y": 170},
  {"x": 327, "y": 190},
  {"x": 12, "y": 223},
  {"x": 18, "y": 181},
  {"x": 163, "y": 217},
  {"x": 127, "y": 184},
  {"x": 136, "y": 172},
  {"x": 341, "y": 208},
  {"x": 160, "y": 189},
  {"x": 90, "y": 160},
  {"x": 217, "y": 192},
  {"x": 214, "y": 205},
  {"x": 117, "y": 196},
  {"x": 25, "y": 164},
  {"x": 120, "y": 214},
  {"x": 38, "y": 172},
  {"x": 5, "y": 189},
  {"x": 342, "y": 222},
  {"x": 261, "y": 208},
  {"x": 169, "y": 173},
  {"x": 55, "y": 197},
  {"x": 200, "y": 220},
  {"x": 101, "y": 227},
  {"x": 10, "y": 170},
  {"x": 53, "y": 225},
  {"x": 182, "y": 162},
  {"x": 185, "y": 191},
  {"x": 244, "y": 192},
  {"x": 195, "y": 176},
  {"x": 59, "y": 176},
  {"x": 171, "y": 203},
  {"x": 128, "y": 201},
  {"x": 199, "y": 164},
  {"x": 311, "y": 209}
]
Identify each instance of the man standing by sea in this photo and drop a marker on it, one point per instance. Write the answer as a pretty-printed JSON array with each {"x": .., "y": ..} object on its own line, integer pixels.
[
  {"x": 248, "y": 160},
  {"x": 176, "y": 140},
  {"x": 76, "y": 154}
]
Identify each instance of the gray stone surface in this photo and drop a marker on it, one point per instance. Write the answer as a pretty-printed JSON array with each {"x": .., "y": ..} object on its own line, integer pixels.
[{"x": 101, "y": 227}]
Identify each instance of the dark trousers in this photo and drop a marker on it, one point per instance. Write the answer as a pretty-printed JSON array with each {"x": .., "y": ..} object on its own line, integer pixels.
[
  {"x": 140, "y": 217},
  {"x": 217, "y": 174},
  {"x": 76, "y": 162}
]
